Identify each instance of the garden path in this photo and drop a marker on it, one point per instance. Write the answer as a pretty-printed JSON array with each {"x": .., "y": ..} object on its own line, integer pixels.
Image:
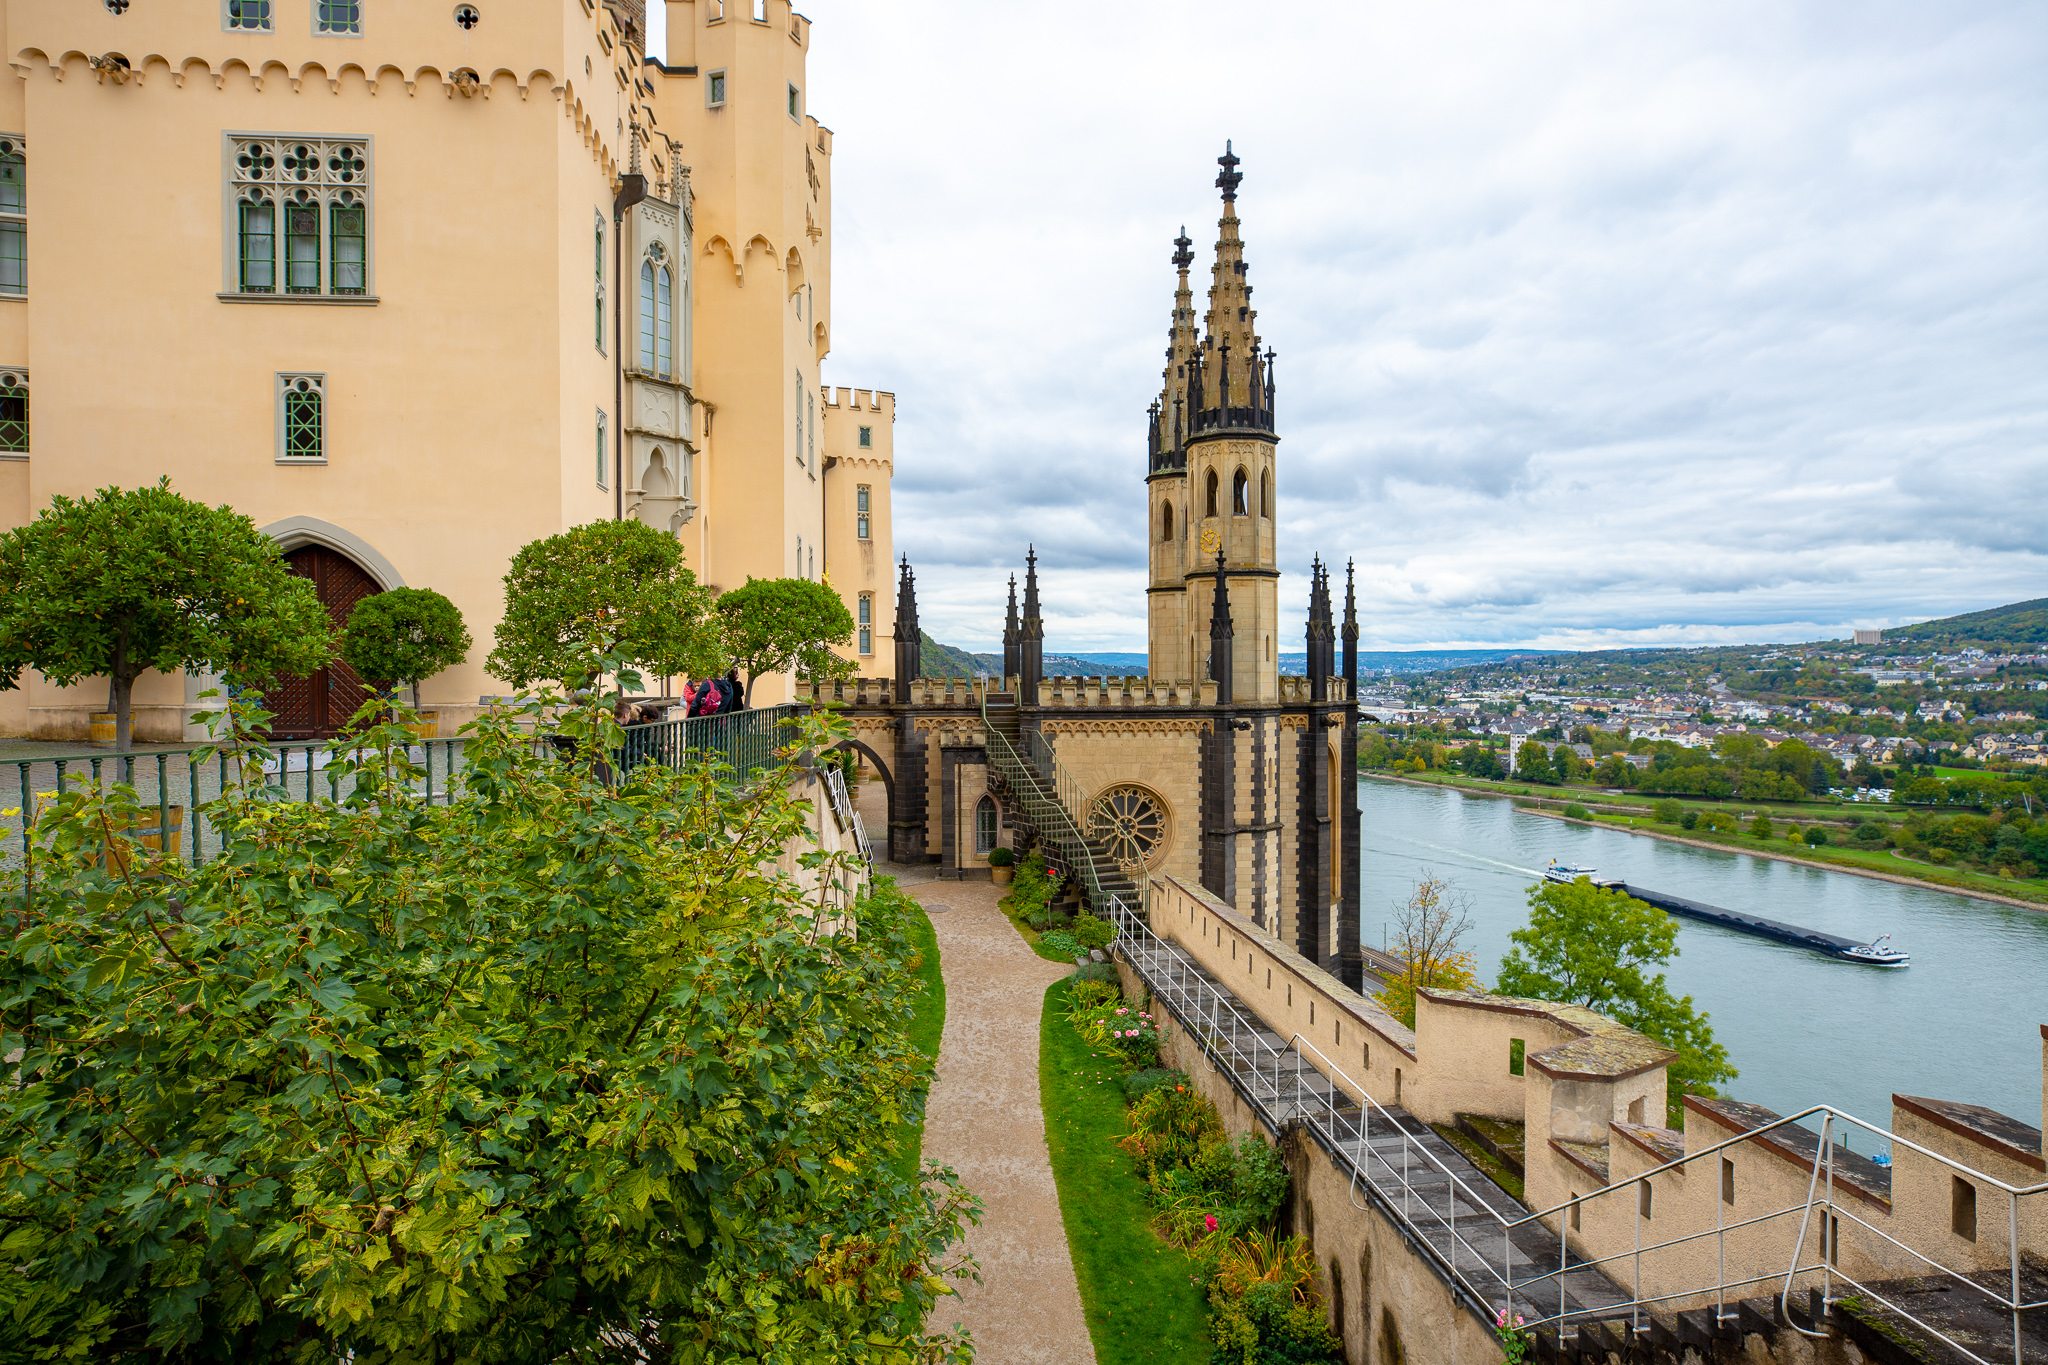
[{"x": 983, "y": 1120}]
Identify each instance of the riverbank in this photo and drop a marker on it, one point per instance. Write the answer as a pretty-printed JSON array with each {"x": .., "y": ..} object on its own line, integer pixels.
[{"x": 1738, "y": 843}]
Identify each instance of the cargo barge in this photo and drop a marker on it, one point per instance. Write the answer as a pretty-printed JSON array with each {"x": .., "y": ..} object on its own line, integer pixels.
[{"x": 1878, "y": 953}]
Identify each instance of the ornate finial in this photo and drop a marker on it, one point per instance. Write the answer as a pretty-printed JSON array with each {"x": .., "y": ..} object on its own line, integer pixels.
[
  {"x": 1228, "y": 181},
  {"x": 1183, "y": 255}
]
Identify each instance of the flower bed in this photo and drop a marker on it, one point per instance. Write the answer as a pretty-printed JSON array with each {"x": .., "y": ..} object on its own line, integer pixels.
[{"x": 1214, "y": 1199}]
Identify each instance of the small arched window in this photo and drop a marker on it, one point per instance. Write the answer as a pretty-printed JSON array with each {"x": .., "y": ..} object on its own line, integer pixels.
[
  {"x": 1266, "y": 494},
  {"x": 647, "y": 316},
  {"x": 984, "y": 826},
  {"x": 1166, "y": 522},
  {"x": 1212, "y": 493},
  {"x": 664, "y": 322},
  {"x": 1240, "y": 490}
]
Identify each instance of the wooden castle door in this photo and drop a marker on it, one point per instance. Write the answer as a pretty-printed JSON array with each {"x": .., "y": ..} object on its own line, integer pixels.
[{"x": 317, "y": 707}]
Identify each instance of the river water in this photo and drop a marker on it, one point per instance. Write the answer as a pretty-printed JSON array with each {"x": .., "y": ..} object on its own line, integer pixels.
[{"x": 1962, "y": 1023}]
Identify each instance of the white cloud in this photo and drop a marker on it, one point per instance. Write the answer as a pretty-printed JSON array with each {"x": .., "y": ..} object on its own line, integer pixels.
[{"x": 1598, "y": 323}]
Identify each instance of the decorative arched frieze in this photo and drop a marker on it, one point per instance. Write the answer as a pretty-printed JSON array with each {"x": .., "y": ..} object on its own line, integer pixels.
[{"x": 715, "y": 243}]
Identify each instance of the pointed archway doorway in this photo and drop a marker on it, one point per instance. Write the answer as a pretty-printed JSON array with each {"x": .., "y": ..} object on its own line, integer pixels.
[{"x": 317, "y": 707}]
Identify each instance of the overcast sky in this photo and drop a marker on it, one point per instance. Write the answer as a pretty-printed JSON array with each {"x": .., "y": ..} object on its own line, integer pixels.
[{"x": 1599, "y": 324}]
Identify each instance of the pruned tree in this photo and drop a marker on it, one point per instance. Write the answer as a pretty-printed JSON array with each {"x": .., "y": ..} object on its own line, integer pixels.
[
  {"x": 403, "y": 635},
  {"x": 1429, "y": 932},
  {"x": 607, "y": 590},
  {"x": 130, "y": 580},
  {"x": 772, "y": 625}
]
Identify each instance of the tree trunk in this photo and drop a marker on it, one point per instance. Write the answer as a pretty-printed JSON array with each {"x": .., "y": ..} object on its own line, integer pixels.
[{"x": 122, "y": 683}]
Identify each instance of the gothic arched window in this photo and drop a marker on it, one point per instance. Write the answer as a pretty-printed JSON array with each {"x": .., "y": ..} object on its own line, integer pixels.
[
  {"x": 664, "y": 322},
  {"x": 1240, "y": 490},
  {"x": 1212, "y": 493},
  {"x": 647, "y": 316},
  {"x": 984, "y": 826},
  {"x": 1166, "y": 522},
  {"x": 1266, "y": 494}
]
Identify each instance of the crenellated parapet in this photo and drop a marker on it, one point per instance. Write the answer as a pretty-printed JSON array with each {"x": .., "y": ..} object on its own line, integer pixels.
[{"x": 1054, "y": 694}]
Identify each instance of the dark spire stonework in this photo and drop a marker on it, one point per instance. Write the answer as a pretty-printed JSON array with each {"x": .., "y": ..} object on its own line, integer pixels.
[
  {"x": 1229, "y": 180},
  {"x": 909, "y": 640},
  {"x": 1350, "y": 631},
  {"x": 1031, "y": 633},
  {"x": 1013, "y": 636},
  {"x": 1221, "y": 635}
]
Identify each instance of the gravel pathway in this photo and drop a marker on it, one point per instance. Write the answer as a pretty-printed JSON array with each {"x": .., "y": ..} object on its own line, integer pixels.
[{"x": 983, "y": 1120}]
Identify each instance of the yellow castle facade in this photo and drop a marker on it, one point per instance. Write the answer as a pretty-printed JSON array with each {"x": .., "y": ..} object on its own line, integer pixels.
[{"x": 414, "y": 285}]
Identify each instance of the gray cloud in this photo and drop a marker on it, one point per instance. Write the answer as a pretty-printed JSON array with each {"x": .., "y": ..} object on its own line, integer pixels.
[{"x": 1597, "y": 324}]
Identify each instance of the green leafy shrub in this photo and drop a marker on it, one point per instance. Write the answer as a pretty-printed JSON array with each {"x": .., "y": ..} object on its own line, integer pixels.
[
  {"x": 1816, "y": 837},
  {"x": 1139, "y": 1084},
  {"x": 1761, "y": 827},
  {"x": 1093, "y": 932},
  {"x": 521, "y": 1076},
  {"x": 1266, "y": 1310},
  {"x": 1168, "y": 1127},
  {"x": 1062, "y": 942},
  {"x": 1001, "y": 857},
  {"x": 1084, "y": 998},
  {"x": 1870, "y": 833},
  {"x": 1032, "y": 893},
  {"x": 1096, "y": 971},
  {"x": 1227, "y": 1190},
  {"x": 1690, "y": 820},
  {"x": 1667, "y": 812},
  {"x": 1575, "y": 811}
]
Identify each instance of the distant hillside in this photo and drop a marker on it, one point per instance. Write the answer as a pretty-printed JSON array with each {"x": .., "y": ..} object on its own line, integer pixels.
[
  {"x": 949, "y": 661},
  {"x": 2022, "y": 623}
]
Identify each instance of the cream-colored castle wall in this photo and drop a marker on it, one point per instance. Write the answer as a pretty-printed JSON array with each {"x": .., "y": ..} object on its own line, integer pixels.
[
  {"x": 859, "y": 566},
  {"x": 462, "y": 404}
]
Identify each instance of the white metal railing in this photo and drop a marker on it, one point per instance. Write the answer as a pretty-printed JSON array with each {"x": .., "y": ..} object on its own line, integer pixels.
[
  {"x": 848, "y": 818},
  {"x": 1387, "y": 1156}
]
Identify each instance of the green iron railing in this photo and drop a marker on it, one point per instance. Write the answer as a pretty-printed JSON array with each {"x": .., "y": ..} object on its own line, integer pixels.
[{"x": 180, "y": 780}]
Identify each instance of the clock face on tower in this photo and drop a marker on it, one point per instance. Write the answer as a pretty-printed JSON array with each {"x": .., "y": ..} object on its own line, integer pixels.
[{"x": 1212, "y": 539}]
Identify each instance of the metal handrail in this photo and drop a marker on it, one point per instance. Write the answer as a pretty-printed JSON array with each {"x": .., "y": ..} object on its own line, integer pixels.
[
  {"x": 1275, "y": 1081},
  {"x": 184, "y": 778},
  {"x": 1066, "y": 787},
  {"x": 1049, "y": 815}
]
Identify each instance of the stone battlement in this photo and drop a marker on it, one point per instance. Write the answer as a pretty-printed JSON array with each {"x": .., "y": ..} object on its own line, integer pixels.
[{"x": 1063, "y": 692}]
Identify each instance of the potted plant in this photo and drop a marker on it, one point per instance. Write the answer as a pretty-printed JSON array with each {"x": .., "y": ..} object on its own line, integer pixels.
[
  {"x": 1002, "y": 865},
  {"x": 403, "y": 635}
]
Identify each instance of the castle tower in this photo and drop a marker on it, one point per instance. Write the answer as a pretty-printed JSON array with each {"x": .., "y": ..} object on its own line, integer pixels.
[{"x": 1211, "y": 477}]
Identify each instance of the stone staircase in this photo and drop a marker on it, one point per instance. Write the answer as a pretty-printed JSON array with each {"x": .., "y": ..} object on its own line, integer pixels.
[
  {"x": 1035, "y": 797},
  {"x": 1451, "y": 1212}
]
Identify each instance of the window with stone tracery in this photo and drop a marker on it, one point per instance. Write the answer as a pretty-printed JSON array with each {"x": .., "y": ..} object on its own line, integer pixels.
[
  {"x": 14, "y": 411},
  {"x": 13, "y": 216},
  {"x": 300, "y": 216},
  {"x": 1131, "y": 822}
]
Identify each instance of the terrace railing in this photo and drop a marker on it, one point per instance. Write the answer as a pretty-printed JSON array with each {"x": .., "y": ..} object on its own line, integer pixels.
[
  {"x": 179, "y": 780},
  {"x": 1498, "y": 1257}
]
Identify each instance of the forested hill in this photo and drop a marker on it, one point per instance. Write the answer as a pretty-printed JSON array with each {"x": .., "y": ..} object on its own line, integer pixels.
[
  {"x": 950, "y": 661},
  {"x": 2021, "y": 623}
]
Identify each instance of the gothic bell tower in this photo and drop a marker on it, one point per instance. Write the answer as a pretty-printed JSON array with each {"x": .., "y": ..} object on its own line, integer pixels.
[{"x": 1211, "y": 480}]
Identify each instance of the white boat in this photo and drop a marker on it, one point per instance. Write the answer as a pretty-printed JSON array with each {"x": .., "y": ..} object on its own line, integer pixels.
[
  {"x": 1566, "y": 872},
  {"x": 1877, "y": 953}
]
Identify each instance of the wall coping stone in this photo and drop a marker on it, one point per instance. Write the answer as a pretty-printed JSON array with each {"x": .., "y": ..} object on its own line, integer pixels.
[{"x": 2002, "y": 1133}]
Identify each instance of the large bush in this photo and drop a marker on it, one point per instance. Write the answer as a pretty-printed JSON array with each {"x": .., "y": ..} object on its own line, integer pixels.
[
  {"x": 404, "y": 635},
  {"x": 551, "y": 1071}
]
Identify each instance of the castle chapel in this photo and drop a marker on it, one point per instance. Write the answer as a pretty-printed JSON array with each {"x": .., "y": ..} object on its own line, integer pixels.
[{"x": 1212, "y": 767}]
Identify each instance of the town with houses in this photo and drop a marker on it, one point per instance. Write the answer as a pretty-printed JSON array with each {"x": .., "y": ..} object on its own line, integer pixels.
[{"x": 1968, "y": 707}]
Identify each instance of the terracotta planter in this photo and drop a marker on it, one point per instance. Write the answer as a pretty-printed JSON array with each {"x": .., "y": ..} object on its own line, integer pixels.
[
  {"x": 1003, "y": 875},
  {"x": 103, "y": 728}
]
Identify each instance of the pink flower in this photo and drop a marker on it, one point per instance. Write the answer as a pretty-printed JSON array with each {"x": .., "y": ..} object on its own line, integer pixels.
[{"x": 1209, "y": 1223}]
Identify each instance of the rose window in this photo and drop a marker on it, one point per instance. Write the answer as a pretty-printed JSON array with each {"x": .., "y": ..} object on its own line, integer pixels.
[{"x": 1130, "y": 822}]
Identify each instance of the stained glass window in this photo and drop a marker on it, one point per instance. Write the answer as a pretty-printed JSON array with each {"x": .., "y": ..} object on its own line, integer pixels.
[
  {"x": 338, "y": 16},
  {"x": 302, "y": 211},
  {"x": 347, "y": 248},
  {"x": 304, "y": 417},
  {"x": 14, "y": 412},
  {"x": 13, "y": 217},
  {"x": 259, "y": 247},
  {"x": 302, "y": 248},
  {"x": 647, "y": 316},
  {"x": 252, "y": 16},
  {"x": 665, "y": 322}
]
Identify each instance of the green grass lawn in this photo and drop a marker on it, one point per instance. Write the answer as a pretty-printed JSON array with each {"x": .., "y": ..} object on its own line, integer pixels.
[
  {"x": 1137, "y": 1292},
  {"x": 927, "y": 1024}
]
